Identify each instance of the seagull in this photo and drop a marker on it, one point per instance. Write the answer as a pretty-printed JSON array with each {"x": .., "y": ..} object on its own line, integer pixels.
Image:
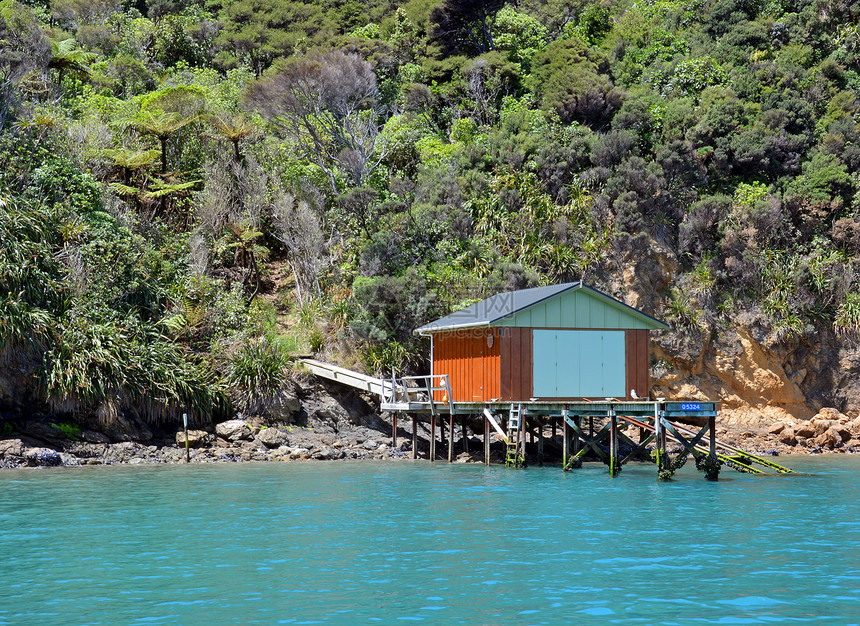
[{"x": 634, "y": 395}]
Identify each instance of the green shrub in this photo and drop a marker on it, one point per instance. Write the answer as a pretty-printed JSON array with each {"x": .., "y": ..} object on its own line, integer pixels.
[
  {"x": 256, "y": 374},
  {"x": 847, "y": 319},
  {"x": 682, "y": 311},
  {"x": 69, "y": 430}
]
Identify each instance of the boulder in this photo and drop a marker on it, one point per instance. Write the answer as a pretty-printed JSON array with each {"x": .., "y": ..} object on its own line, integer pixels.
[
  {"x": 831, "y": 414},
  {"x": 123, "y": 452},
  {"x": 787, "y": 437},
  {"x": 291, "y": 405},
  {"x": 828, "y": 438},
  {"x": 820, "y": 426},
  {"x": 122, "y": 428},
  {"x": 196, "y": 438},
  {"x": 776, "y": 428},
  {"x": 297, "y": 453},
  {"x": 844, "y": 433},
  {"x": 86, "y": 450},
  {"x": 43, "y": 457},
  {"x": 233, "y": 430},
  {"x": 11, "y": 448},
  {"x": 272, "y": 437},
  {"x": 69, "y": 460},
  {"x": 370, "y": 444},
  {"x": 805, "y": 430},
  {"x": 92, "y": 436}
]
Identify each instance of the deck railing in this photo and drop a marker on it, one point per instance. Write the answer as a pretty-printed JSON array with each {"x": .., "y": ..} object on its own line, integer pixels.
[{"x": 419, "y": 389}]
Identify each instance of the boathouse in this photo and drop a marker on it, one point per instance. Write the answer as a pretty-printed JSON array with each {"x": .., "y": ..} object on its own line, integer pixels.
[
  {"x": 529, "y": 361},
  {"x": 556, "y": 343}
]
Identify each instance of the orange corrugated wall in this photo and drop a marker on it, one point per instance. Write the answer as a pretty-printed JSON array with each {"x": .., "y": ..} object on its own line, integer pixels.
[{"x": 472, "y": 363}]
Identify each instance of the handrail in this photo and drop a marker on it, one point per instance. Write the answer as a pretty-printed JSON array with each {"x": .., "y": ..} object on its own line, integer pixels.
[
  {"x": 399, "y": 389},
  {"x": 394, "y": 390}
]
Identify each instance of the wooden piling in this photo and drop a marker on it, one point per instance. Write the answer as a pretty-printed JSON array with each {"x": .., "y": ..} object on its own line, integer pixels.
[
  {"x": 712, "y": 433},
  {"x": 486, "y": 441},
  {"x": 614, "y": 465},
  {"x": 521, "y": 459},
  {"x": 565, "y": 438},
  {"x": 432, "y": 437},
  {"x": 540, "y": 442},
  {"x": 664, "y": 437},
  {"x": 414, "y": 437},
  {"x": 659, "y": 439},
  {"x": 394, "y": 430},
  {"x": 451, "y": 438},
  {"x": 576, "y": 443},
  {"x": 712, "y": 468}
]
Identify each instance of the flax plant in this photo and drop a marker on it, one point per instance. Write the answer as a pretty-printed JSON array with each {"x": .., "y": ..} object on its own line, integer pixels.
[
  {"x": 122, "y": 364},
  {"x": 256, "y": 374}
]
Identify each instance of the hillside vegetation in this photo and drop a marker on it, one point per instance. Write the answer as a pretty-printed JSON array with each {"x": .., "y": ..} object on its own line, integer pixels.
[{"x": 192, "y": 191}]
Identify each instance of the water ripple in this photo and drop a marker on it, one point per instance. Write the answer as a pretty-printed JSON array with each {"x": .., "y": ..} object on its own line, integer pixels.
[{"x": 351, "y": 543}]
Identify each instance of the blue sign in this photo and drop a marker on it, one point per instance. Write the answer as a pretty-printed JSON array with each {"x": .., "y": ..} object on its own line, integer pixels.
[{"x": 691, "y": 406}]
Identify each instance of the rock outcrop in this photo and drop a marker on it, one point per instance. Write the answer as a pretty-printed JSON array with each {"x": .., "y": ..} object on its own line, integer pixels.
[{"x": 760, "y": 375}]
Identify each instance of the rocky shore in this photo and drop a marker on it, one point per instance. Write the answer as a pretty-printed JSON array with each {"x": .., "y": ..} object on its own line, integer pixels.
[
  {"x": 328, "y": 424},
  {"x": 828, "y": 431},
  {"x": 232, "y": 441},
  {"x": 317, "y": 423},
  {"x": 52, "y": 444}
]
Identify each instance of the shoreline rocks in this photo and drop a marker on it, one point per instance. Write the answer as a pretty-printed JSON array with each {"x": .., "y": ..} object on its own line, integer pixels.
[
  {"x": 250, "y": 439},
  {"x": 827, "y": 431},
  {"x": 228, "y": 442}
]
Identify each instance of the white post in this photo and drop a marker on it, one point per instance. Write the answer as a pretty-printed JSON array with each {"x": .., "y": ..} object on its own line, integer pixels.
[{"x": 185, "y": 428}]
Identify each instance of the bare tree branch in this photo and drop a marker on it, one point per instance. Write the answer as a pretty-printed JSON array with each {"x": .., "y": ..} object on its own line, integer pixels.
[{"x": 329, "y": 105}]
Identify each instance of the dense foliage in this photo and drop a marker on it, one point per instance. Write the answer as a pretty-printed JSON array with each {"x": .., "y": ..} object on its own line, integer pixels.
[{"x": 191, "y": 190}]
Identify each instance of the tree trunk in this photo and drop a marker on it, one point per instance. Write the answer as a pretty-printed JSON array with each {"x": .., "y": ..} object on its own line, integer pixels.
[{"x": 163, "y": 141}]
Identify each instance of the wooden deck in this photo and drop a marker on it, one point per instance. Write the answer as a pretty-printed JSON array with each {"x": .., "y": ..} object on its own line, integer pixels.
[
  {"x": 428, "y": 399},
  {"x": 682, "y": 411}
]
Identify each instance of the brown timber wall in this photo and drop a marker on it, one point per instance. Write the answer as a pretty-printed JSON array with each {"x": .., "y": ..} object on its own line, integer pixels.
[
  {"x": 636, "y": 349},
  {"x": 516, "y": 364},
  {"x": 471, "y": 360},
  {"x": 482, "y": 370}
]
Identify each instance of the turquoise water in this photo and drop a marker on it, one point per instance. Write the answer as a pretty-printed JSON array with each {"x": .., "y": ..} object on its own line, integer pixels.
[{"x": 352, "y": 543}]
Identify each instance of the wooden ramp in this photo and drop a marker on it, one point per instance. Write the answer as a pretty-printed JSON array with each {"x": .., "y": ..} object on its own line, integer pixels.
[
  {"x": 405, "y": 393},
  {"x": 376, "y": 386}
]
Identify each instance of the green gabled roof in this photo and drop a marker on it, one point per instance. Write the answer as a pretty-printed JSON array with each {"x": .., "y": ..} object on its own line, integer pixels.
[{"x": 569, "y": 305}]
